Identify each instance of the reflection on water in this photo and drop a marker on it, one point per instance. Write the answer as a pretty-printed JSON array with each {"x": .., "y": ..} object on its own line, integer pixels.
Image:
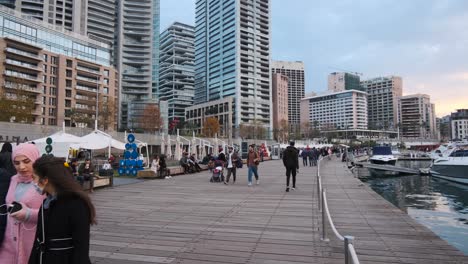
[{"x": 440, "y": 205}]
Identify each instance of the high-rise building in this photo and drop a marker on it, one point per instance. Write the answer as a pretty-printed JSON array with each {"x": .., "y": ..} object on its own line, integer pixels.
[
  {"x": 341, "y": 110},
  {"x": 232, "y": 57},
  {"x": 295, "y": 72},
  {"x": 101, "y": 20},
  {"x": 383, "y": 93},
  {"x": 135, "y": 53},
  {"x": 416, "y": 116},
  {"x": 177, "y": 57},
  {"x": 340, "y": 81},
  {"x": 95, "y": 18},
  {"x": 280, "y": 100},
  {"x": 459, "y": 124},
  {"x": 156, "y": 49}
]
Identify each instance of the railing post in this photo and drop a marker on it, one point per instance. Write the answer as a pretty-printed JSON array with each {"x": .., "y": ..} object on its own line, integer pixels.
[
  {"x": 348, "y": 240},
  {"x": 324, "y": 221},
  {"x": 319, "y": 194}
]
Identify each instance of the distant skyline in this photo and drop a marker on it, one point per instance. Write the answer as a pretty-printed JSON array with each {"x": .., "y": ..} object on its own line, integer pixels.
[{"x": 423, "y": 41}]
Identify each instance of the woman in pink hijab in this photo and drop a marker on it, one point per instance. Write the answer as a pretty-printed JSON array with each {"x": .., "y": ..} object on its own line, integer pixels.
[{"x": 21, "y": 225}]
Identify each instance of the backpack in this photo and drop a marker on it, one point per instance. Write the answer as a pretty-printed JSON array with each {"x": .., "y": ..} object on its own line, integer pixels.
[{"x": 239, "y": 163}]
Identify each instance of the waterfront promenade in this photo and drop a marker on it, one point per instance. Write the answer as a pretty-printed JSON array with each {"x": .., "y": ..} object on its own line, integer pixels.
[
  {"x": 383, "y": 233},
  {"x": 189, "y": 220}
]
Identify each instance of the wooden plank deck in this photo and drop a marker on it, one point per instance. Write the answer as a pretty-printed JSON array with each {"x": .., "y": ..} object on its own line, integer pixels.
[
  {"x": 383, "y": 233},
  {"x": 186, "y": 219}
]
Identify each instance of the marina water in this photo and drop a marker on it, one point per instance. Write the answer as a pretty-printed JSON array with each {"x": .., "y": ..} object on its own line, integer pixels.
[{"x": 440, "y": 205}]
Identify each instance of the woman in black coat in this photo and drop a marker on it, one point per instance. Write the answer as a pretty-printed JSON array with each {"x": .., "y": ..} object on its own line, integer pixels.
[{"x": 63, "y": 226}]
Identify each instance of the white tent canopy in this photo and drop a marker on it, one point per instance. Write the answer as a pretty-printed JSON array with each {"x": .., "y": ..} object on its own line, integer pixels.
[
  {"x": 60, "y": 137},
  {"x": 100, "y": 140},
  {"x": 61, "y": 143}
]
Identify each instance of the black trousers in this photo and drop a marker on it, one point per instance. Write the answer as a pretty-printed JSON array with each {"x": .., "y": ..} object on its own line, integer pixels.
[
  {"x": 229, "y": 172},
  {"x": 289, "y": 171},
  {"x": 304, "y": 161}
]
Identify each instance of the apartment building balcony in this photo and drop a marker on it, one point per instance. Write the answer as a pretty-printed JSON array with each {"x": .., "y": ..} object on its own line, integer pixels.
[
  {"x": 88, "y": 100},
  {"x": 135, "y": 79},
  {"x": 87, "y": 70},
  {"x": 86, "y": 80},
  {"x": 22, "y": 53},
  {"x": 85, "y": 90},
  {"x": 135, "y": 91},
  {"x": 22, "y": 65},
  {"x": 21, "y": 76}
]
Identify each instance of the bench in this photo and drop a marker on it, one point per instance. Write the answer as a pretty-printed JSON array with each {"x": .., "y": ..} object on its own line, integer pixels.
[{"x": 175, "y": 170}]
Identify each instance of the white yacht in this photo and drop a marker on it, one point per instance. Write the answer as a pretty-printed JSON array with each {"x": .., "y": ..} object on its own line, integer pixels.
[
  {"x": 452, "y": 163},
  {"x": 382, "y": 156}
]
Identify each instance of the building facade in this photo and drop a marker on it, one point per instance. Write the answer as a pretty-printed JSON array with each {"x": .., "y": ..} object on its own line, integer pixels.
[
  {"x": 340, "y": 81},
  {"x": 232, "y": 57},
  {"x": 134, "y": 56},
  {"x": 383, "y": 93},
  {"x": 221, "y": 109},
  {"x": 280, "y": 100},
  {"x": 63, "y": 89},
  {"x": 459, "y": 124},
  {"x": 136, "y": 109},
  {"x": 177, "y": 72},
  {"x": 54, "y": 39},
  {"x": 295, "y": 72},
  {"x": 334, "y": 111},
  {"x": 416, "y": 116}
]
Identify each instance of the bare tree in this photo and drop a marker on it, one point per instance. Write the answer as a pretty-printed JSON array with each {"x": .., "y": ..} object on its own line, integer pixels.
[
  {"x": 18, "y": 104},
  {"x": 151, "y": 120},
  {"x": 211, "y": 127},
  {"x": 107, "y": 113}
]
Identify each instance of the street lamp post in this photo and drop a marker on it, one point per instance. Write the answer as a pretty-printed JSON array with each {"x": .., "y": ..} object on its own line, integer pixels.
[{"x": 97, "y": 101}]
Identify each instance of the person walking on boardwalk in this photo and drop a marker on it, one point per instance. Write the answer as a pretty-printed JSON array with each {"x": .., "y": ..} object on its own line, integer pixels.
[
  {"x": 291, "y": 162},
  {"x": 231, "y": 165},
  {"x": 21, "y": 225},
  {"x": 253, "y": 159},
  {"x": 63, "y": 228},
  {"x": 304, "y": 155}
]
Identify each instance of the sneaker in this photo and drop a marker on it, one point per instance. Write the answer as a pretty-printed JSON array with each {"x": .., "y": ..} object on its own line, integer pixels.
[
  {"x": 250, "y": 184},
  {"x": 225, "y": 183},
  {"x": 167, "y": 177},
  {"x": 258, "y": 182},
  {"x": 293, "y": 188},
  {"x": 287, "y": 189}
]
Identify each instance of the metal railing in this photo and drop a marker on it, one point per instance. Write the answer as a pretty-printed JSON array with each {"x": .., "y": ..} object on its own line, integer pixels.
[{"x": 349, "y": 251}]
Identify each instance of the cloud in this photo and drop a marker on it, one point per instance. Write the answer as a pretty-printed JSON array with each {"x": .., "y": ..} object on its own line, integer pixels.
[{"x": 423, "y": 41}]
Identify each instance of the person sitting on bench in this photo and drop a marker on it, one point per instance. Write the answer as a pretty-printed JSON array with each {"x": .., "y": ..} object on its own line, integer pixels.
[
  {"x": 86, "y": 173},
  {"x": 106, "y": 169},
  {"x": 184, "y": 163}
]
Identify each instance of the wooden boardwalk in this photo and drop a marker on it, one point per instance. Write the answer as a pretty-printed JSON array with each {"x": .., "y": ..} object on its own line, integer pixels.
[
  {"x": 186, "y": 219},
  {"x": 383, "y": 233}
]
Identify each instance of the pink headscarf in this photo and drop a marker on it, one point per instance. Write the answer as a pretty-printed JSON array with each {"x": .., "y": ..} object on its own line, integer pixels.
[{"x": 28, "y": 150}]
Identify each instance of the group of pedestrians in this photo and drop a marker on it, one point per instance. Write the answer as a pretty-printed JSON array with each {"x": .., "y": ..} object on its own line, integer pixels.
[
  {"x": 309, "y": 156},
  {"x": 46, "y": 216}
]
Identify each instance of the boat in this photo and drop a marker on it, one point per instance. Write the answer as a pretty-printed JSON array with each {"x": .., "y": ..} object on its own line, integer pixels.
[
  {"x": 452, "y": 165},
  {"x": 382, "y": 155}
]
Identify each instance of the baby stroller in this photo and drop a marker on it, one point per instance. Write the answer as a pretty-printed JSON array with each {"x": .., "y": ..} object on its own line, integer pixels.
[{"x": 217, "y": 175}]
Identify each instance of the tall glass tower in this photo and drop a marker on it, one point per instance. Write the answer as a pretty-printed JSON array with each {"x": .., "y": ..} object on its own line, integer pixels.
[
  {"x": 232, "y": 57},
  {"x": 155, "y": 63}
]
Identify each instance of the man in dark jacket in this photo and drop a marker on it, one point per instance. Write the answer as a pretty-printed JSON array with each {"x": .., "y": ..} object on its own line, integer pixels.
[{"x": 291, "y": 162}]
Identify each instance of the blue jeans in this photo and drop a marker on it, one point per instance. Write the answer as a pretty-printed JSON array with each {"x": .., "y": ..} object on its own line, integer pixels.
[{"x": 252, "y": 169}]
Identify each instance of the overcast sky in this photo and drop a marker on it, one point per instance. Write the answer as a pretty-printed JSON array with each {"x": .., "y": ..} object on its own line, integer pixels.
[{"x": 423, "y": 41}]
